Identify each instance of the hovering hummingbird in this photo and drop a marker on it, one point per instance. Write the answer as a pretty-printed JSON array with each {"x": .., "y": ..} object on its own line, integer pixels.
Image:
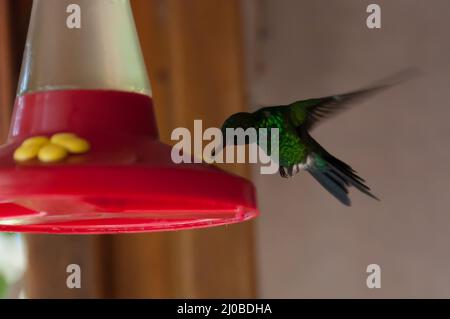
[{"x": 298, "y": 150}]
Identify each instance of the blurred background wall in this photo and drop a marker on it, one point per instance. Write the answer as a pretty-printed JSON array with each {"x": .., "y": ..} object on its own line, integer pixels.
[{"x": 308, "y": 244}]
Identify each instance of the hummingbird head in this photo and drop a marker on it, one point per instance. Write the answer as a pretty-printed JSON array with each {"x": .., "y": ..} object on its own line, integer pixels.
[{"x": 242, "y": 120}]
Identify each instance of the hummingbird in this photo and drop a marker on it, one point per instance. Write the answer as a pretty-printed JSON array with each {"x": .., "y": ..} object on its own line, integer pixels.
[{"x": 298, "y": 150}]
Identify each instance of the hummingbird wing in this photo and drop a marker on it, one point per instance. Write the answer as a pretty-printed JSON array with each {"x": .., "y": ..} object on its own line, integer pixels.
[
  {"x": 316, "y": 110},
  {"x": 332, "y": 173},
  {"x": 309, "y": 113}
]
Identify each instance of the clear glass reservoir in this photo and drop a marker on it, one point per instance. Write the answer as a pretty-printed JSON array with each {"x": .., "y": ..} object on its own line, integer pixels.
[{"x": 83, "y": 44}]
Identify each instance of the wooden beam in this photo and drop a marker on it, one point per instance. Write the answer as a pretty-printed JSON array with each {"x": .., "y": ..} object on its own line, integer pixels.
[{"x": 208, "y": 68}]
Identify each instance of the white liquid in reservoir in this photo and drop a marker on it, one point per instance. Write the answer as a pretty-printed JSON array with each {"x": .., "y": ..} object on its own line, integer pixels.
[{"x": 104, "y": 54}]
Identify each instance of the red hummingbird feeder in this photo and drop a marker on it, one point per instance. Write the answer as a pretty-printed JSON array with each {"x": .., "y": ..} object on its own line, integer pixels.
[{"x": 89, "y": 82}]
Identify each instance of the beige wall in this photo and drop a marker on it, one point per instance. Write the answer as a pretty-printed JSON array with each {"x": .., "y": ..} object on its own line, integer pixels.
[{"x": 310, "y": 245}]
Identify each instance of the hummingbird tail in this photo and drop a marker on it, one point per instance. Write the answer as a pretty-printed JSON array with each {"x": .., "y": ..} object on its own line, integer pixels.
[{"x": 336, "y": 177}]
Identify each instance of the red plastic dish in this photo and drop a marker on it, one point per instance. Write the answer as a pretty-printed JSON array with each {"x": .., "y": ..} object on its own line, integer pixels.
[{"x": 126, "y": 183}]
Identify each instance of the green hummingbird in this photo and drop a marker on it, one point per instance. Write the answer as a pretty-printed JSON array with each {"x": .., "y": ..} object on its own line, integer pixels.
[{"x": 298, "y": 150}]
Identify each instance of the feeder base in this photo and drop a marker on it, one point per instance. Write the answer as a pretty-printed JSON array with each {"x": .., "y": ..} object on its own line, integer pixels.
[{"x": 126, "y": 183}]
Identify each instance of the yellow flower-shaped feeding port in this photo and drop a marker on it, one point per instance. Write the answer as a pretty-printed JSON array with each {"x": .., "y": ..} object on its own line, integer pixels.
[{"x": 51, "y": 150}]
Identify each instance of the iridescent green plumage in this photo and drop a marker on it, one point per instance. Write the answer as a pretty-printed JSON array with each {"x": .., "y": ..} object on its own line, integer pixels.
[{"x": 291, "y": 148}]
